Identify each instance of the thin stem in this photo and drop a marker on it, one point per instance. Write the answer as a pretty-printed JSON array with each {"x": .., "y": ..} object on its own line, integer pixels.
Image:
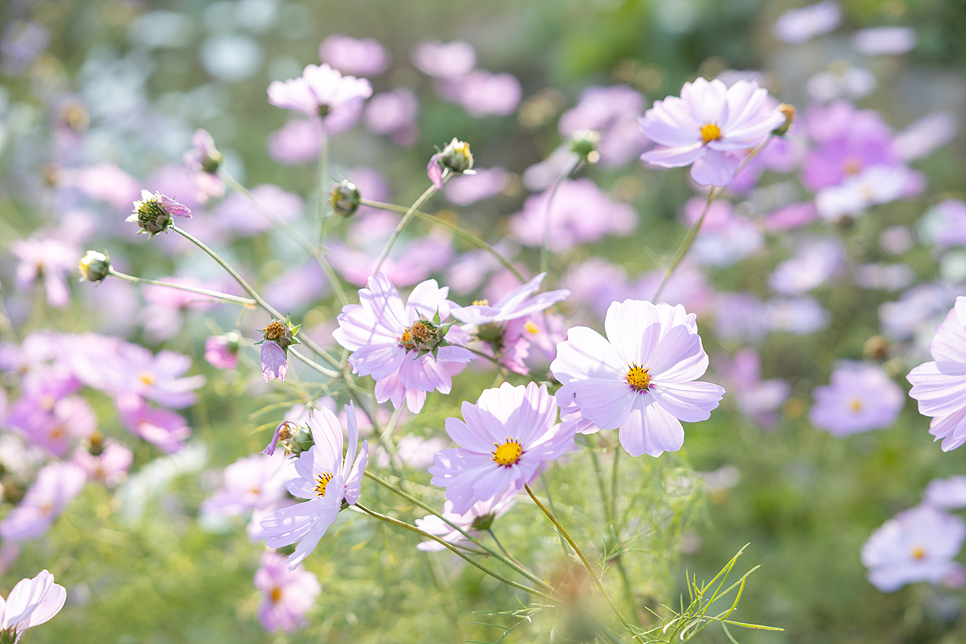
[
  {"x": 545, "y": 246},
  {"x": 430, "y": 191},
  {"x": 320, "y": 190},
  {"x": 613, "y": 484},
  {"x": 293, "y": 233},
  {"x": 450, "y": 547},
  {"x": 224, "y": 297},
  {"x": 520, "y": 568},
  {"x": 462, "y": 233},
  {"x": 315, "y": 365},
  {"x": 255, "y": 296},
  {"x": 580, "y": 554}
]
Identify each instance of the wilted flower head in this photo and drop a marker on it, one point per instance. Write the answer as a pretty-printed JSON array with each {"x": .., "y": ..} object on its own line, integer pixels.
[
  {"x": 31, "y": 603},
  {"x": 153, "y": 212},
  {"x": 94, "y": 266},
  {"x": 707, "y": 126},
  {"x": 277, "y": 337}
]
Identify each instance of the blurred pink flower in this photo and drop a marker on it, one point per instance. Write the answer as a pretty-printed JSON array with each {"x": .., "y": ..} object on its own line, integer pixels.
[
  {"x": 613, "y": 113},
  {"x": 163, "y": 428},
  {"x": 221, "y": 351},
  {"x": 880, "y": 41},
  {"x": 483, "y": 94},
  {"x": 322, "y": 91},
  {"x": 288, "y": 594},
  {"x": 50, "y": 259},
  {"x": 925, "y": 135},
  {"x": 104, "y": 182},
  {"x": 365, "y": 57},
  {"x": 466, "y": 189},
  {"x": 110, "y": 466},
  {"x": 448, "y": 61},
  {"x": 859, "y": 397},
  {"x": 474, "y": 521},
  {"x": 56, "y": 485},
  {"x": 394, "y": 113},
  {"x": 298, "y": 141},
  {"x": 802, "y": 24}
]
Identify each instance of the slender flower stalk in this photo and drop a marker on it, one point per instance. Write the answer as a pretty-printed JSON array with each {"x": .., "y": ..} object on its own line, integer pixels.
[
  {"x": 224, "y": 297},
  {"x": 457, "y": 551},
  {"x": 580, "y": 554},
  {"x": 255, "y": 296},
  {"x": 463, "y": 234},
  {"x": 430, "y": 191},
  {"x": 545, "y": 246}
]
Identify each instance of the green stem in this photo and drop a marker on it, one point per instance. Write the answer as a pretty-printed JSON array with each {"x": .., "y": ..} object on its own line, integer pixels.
[
  {"x": 520, "y": 568},
  {"x": 580, "y": 554},
  {"x": 610, "y": 512},
  {"x": 461, "y": 233},
  {"x": 451, "y": 548},
  {"x": 254, "y": 294},
  {"x": 545, "y": 246},
  {"x": 315, "y": 365},
  {"x": 224, "y": 297},
  {"x": 430, "y": 191},
  {"x": 293, "y": 233}
]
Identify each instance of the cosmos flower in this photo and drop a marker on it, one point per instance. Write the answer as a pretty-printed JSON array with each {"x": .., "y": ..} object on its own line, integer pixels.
[
  {"x": 474, "y": 521},
  {"x": 221, "y": 351},
  {"x": 879, "y": 41},
  {"x": 939, "y": 386},
  {"x": 804, "y": 23},
  {"x": 402, "y": 346},
  {"x": 354, "y": 56},
  {"x": 56, "y": 485},
  {"x": 949, "y": 494},
  {"x": 31, "y": 603},
  {"x": 288, "y": 594},
  {"x": 49, "y": 259},
  {"x": 321, "y": 91},
  {"x": 325, "y": 479},
  {"x": 447, "y": 61},
  {"x": 707, "y": 126},
  {"x": 916, "y": 545},
  {"x": 859, "y": 397},
  {"x": 154, "y": 211},
  {"x": 504, "y": 439},
  {"x": 639, "y": 379}
]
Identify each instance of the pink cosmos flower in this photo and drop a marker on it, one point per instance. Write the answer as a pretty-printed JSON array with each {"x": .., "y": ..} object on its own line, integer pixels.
[
  {"x": 56, "y": 485},
  {"x": 949, "y": 494},
  {"x": 613, "y": 112},
  {"x": 298, "y": 141},
  {"x": 109, "y": 466},
  {"x": 707, "y": 126},
  {"x": 505, "y": 439},
  {"x": 161, "y": 427},
  {"x": 448, "y": 61},
  {"x": 153, "y": 212},
  {"x": 884, "y": 40},
  {"x": 939, "y": 386},
  {"x": 203, "y": 160},
  {"x": 804, "y": 23},
  {"x": 104, "y": 182},
  {"x": 467, "y": 189},
  {"x": 817, "y": 261},
  {"x": 398, "y": 345},
  {"x": 326, "y": 478},
  {"x": 759, "y": 400},
  {"x": 639, "y": 379},
  {"x": 130, "y": 368},
  {"x": 31, "y": 603},
  {"x": 354, "y": 56},
  {"x": 274, "y": 361},
  {"x": 320, "y": 91},
  {"x": 859, "y": 397},
  {"x": 394, "y": 113},
  {"x": 474, "y": 521},
  {"x": 878, "y": 184},
  {"x": 926, "y": 135},
  {"x": 288, "y": 594},
  {"x": 484, "y": 94},
  {"x": 254, "y": 484},
  {"x": 221, "y": 351},
  {"x": 49, "y": 259},
  {"x": 52, "y": 421},
  {"x": 919, "y": 544}
]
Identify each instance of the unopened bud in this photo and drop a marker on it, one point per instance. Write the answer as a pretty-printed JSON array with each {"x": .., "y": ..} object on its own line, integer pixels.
[
  {"x": 456, "y": 157},
  {"x": 789, "y": 112},
  {"x": 584, "y": 144},
  {"x": 94, "y": 266},
  {"x": 876, "y": 348},
  {"x": 345, "y": 198}
]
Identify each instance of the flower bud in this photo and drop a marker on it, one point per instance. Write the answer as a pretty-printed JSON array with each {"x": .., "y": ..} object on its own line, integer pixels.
[
  {"x": 94, "y": 266},
  {"x": 789, "y": 112},
  {"x": 456, "y": 157},
  {"x": 153, "y": 212},
  {"x": 345, "y": 198},
  {"x": 584, "y": 144}
]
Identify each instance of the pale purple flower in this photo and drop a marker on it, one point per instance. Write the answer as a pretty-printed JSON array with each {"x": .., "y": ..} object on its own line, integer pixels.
[
  {"x": 52, "y": 421},
  {"x": 491, "y": 326},
  {"x": 365, "y": 57},
  {"x": 104, "y": 182},
  {"x": 919, "y": 307},
  {"x": 288, "y": 594},
  {"x": 468, "y": 272},
  {"x": 949, "y": 494},
  {"x": 322, "y": 91},
  {"x": 164, "y": 313},
  {"x": 919, "y": 544},
  {"x": 688, "y": 286},
  {"x": 759, "y": 400},
  {"x": 883, "y": 277},
  {"x": 596, "y": 284},
  {"x": 580, "y": 212},
  {"x": 153, "y": 212},
  {"x": 274, "y": 361},
  {"x": 880, "y": 41},
  {"x": 408, "y": 263},
  {"x": 739, "y": 317},
  {"x": 394, "y": 113},
  {"x": 790, "y": 216},
  {"x": 386, "y": 338},
  {"x": 939, "y": 386},
  {"x": 925, "y": 135},
  {"x": 896, "y": 240},
  {"x": 108, "y": 467},
  {"x": 467, "y": 189},
  {"x": 474, "y": 521},
  {"x": 613, "y": 113},
  {"x": 878, "y": 184},
  {"x": 841, "y": 80},
  {"x": 802, "y": 24},
  {"x": 817, "y": 261},
  {"x": 49, "y": 259},
  {"x": 796, "y": 315},
  {"x": 298, "y": 141},
  {"x": 243, "y": 218},
  {"x": 325, "y": 479},
  {"x": 221, "y": 351},
  {"x": 413, "y": 452},
  {"x": 724, "y": 238},
  {"x": 56, "y": 485},
  {"x": 484, "y": 94},
  {"x": 945, "y": 223},
  {"x": 707, "y": 126},
  {"x": 544, "y": 174},
  {"x": 859, "y": 397},
  {"x": 255, "y": 482},
  {"x": 447, "y": 61},
  {"x": 31, "y": 603},
  {"x": 505, "y": 439},
  {"x": 131, "y": 368},
  {"x": 639, "y": 379},
  {"x": 161, "y": 427}
]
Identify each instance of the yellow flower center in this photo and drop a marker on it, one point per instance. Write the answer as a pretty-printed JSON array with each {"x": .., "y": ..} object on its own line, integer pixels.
[
  {"x": 856, "y": 405},
  {"x": 483, "y": 302},
  {"x": 918, "y": 553},
  {"x": 508, "y": 453},
  {"x": 57, "y": 433},
  {"x": 710, "y": 132},
  {"x": 321, "y": 481},
  {"x": 638, "y": 377},
  {"x": 47, "y": 402},
  {"x": 276, "y": 594},
  {"x": 852, "y": 166},
  {"x": 147, "y": 378},
  {"x": 275, "y": 330},
  {"x": 414, "y": 335},
  {"x": 531, "y": 327}
]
